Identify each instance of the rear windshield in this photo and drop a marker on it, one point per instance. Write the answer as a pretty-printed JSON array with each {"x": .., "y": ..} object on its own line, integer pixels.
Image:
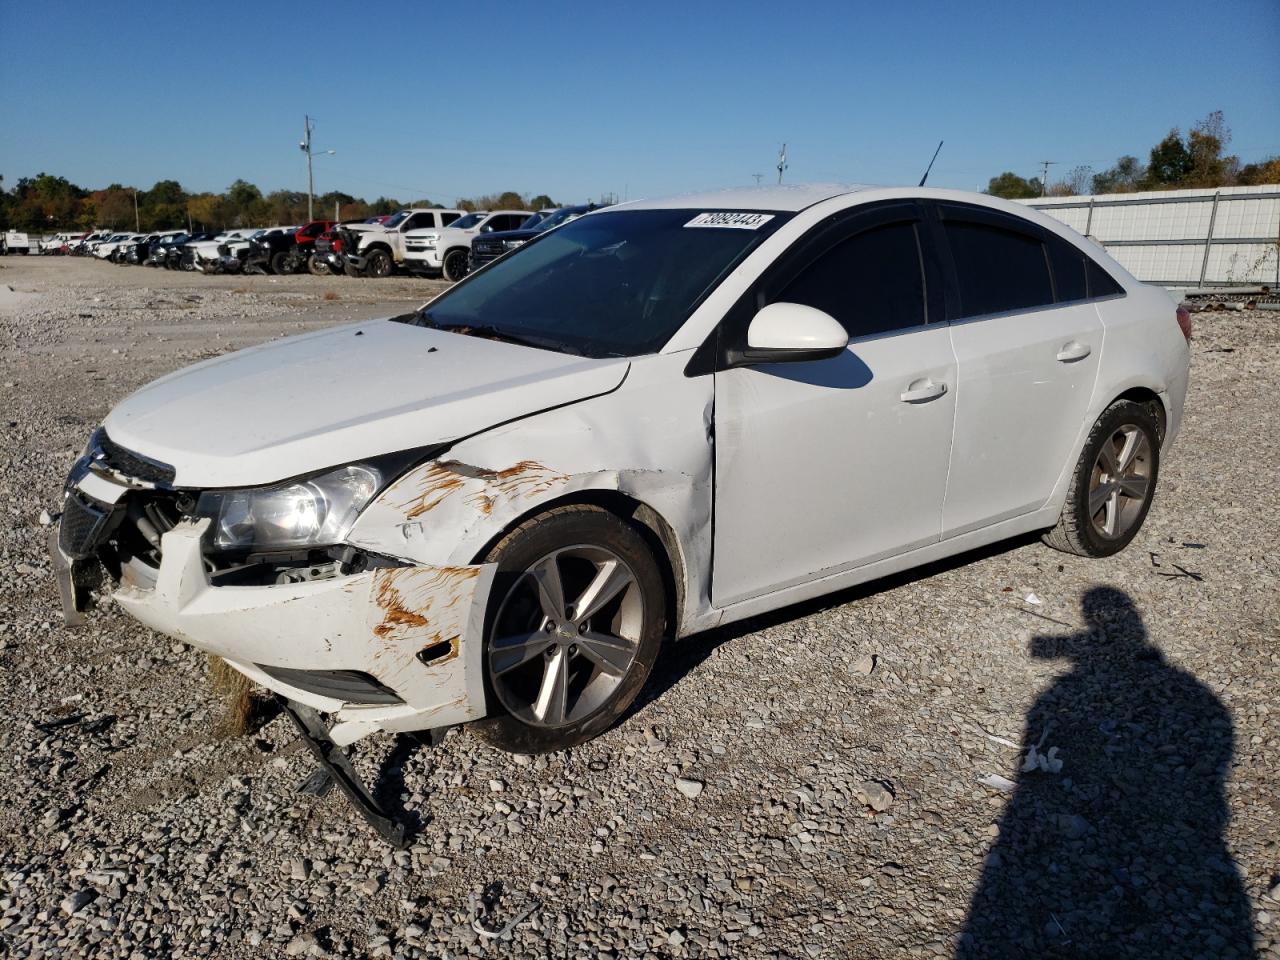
[{"x": 611, "y": 284}]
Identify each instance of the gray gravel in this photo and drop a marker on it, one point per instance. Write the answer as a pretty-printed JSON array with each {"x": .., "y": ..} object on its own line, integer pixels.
[{"x": 803, "y": 785}]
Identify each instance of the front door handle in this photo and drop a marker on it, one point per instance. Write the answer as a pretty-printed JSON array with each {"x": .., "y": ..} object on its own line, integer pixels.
[
  {"x": 922, "y": 391},
  {"x": 1073, "y": 351}
]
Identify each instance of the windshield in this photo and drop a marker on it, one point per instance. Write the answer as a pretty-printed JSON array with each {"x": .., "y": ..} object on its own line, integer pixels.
[
  {"x": 396, "y": 219},
  {"x": 469, "y": 221},
  {"x": 533, "y": 220},
  {"x": 612, "y": 284}
]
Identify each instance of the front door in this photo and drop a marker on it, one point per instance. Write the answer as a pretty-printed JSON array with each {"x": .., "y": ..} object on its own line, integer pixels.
[{"x": 826, "y": 465}]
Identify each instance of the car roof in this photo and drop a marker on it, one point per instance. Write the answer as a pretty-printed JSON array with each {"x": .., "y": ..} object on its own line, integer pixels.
[{"x": 792, "y": 197}]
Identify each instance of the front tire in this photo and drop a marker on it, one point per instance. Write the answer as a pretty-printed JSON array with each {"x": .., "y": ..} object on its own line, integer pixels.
[
  {"x": 456, "y": 265},
  {"x": 575, "y": 621},
  {"x": 1113, "y": 484},
  {"x": 378, "y": 264},
  {"x": 317, "y": 267},
  {"x": 280, "y": 263}
]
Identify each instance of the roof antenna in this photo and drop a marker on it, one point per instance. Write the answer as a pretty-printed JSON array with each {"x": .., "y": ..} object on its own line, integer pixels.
[{"x": 930, "y": 167}]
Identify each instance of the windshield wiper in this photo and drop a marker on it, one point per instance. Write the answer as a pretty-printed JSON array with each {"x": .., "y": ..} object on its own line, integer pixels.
[
  {"x": 496, "y": 333},
  {"x": 422, "y": 318}
]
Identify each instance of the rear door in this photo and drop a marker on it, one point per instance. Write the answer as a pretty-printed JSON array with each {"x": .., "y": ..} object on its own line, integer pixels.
[
  {"x": 832, "y": 464},
  {"x": 1027, "y": 362}
]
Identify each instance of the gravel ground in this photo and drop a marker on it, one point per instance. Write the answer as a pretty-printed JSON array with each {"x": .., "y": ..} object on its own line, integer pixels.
[{"x": 803, "y": 785}]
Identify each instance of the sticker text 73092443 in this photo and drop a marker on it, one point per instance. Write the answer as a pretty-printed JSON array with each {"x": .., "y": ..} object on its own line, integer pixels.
[{"x": 735, "y": 221}]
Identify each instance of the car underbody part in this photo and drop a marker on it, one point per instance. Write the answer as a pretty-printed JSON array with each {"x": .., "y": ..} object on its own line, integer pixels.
[{"x": 339, "y": 769}]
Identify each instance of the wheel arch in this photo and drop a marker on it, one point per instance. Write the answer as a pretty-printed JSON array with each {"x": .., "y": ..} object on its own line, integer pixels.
[
  {"x": 1145, "y": 396},
  {"x": 648, "y": 522}
]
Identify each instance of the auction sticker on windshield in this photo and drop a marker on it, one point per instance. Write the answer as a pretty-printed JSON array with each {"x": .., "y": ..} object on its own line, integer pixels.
[{"x": 735, "y": 221}]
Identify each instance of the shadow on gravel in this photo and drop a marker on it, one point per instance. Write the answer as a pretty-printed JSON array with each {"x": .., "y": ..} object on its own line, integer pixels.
[{"x": 1121, "y": 853}]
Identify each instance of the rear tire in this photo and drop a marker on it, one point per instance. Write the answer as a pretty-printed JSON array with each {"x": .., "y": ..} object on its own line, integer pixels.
[
  {"x": 456, "y": 265},
  {"x": 1113, "y": 484},
  {"x": 533, "y": 636}
]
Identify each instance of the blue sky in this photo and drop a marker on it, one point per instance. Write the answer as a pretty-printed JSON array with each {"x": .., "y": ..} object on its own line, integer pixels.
[{"x": 577, "y": 99}]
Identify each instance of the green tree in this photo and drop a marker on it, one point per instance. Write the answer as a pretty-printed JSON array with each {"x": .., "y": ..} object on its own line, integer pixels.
[
  {"x": 164, "y": 206},
  {"x": 542, "y": 202},
  {"x": 1170, "y": 162},
  {"x": 1127, "y": 175},
  {"x": 1013, "y": 187}
]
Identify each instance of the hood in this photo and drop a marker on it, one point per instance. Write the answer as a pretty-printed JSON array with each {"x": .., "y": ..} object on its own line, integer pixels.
[{"x": 324, "y": 399}]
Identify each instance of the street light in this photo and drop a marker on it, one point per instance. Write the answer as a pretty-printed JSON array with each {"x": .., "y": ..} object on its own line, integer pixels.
[{"x": 305, "y": 147}]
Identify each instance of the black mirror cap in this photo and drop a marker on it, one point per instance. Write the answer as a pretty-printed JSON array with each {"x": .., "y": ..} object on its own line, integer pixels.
[{"x": 750, "y": 356}]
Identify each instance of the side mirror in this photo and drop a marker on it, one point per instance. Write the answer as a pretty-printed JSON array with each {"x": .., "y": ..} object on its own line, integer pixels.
[{"x": 789, "y": 333}]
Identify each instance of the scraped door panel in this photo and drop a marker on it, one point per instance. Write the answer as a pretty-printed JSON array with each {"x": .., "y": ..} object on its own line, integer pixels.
[{"x": 824, "y": 466}]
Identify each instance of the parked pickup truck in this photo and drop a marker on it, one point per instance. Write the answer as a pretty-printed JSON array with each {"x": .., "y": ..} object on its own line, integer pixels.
[
  {"x": 448, "y": 251},
  {"x": 381, "y": 246},
  {"x": 487, "y": 247}
]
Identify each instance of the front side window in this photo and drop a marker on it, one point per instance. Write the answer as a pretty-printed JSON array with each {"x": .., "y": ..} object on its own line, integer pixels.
[
  {"x": 997, "y": 270},
  {"x": 871, "y": 282},
  {"x": 613, "y": 284}
]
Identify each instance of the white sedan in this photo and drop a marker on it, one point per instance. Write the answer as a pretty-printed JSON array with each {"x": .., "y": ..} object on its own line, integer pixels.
[{"x": 660, "y": 418}]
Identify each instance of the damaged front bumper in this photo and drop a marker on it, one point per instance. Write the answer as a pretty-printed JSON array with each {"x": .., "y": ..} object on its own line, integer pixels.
[{"x": 394, "y": 648}]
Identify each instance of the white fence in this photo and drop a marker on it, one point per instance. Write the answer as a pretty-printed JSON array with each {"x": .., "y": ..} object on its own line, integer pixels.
[{"x": 1228, "y": 236}]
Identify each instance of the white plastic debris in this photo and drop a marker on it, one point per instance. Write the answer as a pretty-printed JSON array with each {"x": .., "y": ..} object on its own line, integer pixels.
[
  {"x": 1044, "y": 762},
  {"x": 997, "y": 782},
  {"x": 1032, "y": 598}
]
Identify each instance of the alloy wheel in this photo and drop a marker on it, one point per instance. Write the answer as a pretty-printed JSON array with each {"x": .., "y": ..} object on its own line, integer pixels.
[
  {"x": 1120, "y": 483},
  {"x": 565, "y": 636}
]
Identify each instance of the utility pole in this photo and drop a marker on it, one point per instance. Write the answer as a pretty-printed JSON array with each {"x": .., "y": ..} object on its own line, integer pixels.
[
  {"x": 137, "y": 223},
  {"x": 1044, "y": 178},
  {"x": 306, "y": 148},
  {"x": 782, "y": 161}
]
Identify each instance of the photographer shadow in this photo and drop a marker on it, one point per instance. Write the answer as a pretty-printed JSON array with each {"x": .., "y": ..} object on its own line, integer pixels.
[{"x": 1121, "y": 853}]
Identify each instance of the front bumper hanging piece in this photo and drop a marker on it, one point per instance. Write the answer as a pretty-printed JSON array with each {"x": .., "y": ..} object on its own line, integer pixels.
[{"x": 337, "y": 765}]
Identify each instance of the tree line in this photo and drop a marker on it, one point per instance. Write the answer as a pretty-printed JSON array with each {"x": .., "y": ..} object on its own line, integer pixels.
[
  {"x": 47, "y": 203},
  {"x": 1177, "y": 162}
]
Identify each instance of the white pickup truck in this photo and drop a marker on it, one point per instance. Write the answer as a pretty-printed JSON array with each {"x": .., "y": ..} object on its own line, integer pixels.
[
  {"x": 382, "y": 245},
  {"x": 448, "y": 251},
  {"x": 11, "y": 241}
]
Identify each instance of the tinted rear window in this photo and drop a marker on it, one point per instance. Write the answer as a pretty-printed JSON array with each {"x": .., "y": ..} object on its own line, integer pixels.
[
  {"x": 1068, "y": 269},
  {"x": 1100, "y": 282},
  {"x": 997, "y": 270}
]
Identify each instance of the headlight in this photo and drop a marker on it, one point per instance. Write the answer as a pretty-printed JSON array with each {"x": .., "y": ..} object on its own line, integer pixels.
[
  {"x": 305, "y": 513},
  {"x": 511, "y": 244}
]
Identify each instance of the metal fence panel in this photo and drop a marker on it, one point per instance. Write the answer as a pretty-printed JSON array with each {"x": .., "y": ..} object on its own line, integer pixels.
[{"x": 1224, "y": 237}]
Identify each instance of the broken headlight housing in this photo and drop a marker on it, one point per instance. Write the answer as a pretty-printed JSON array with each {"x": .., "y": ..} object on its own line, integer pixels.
[{"x": 312, "y": 512}]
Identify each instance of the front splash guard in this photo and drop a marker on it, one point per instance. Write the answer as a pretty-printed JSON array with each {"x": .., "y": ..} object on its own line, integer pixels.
[{"x": 338, "y": 766}]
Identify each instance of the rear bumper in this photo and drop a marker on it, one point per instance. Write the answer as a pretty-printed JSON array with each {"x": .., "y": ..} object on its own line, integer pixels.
[{"x": 413, "y": 631}]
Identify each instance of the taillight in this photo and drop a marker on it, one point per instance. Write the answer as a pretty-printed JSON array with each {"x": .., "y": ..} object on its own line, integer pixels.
[{"x": 1184, "y": 322}]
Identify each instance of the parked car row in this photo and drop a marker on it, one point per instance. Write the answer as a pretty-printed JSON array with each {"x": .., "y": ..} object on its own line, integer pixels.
[{"x": 424, "y": 242}]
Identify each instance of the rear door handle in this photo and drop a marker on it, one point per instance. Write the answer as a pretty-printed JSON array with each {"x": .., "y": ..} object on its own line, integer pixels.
[
  {"x": 922, "y": 391},
  {"x": 1073, "y": 351}
]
